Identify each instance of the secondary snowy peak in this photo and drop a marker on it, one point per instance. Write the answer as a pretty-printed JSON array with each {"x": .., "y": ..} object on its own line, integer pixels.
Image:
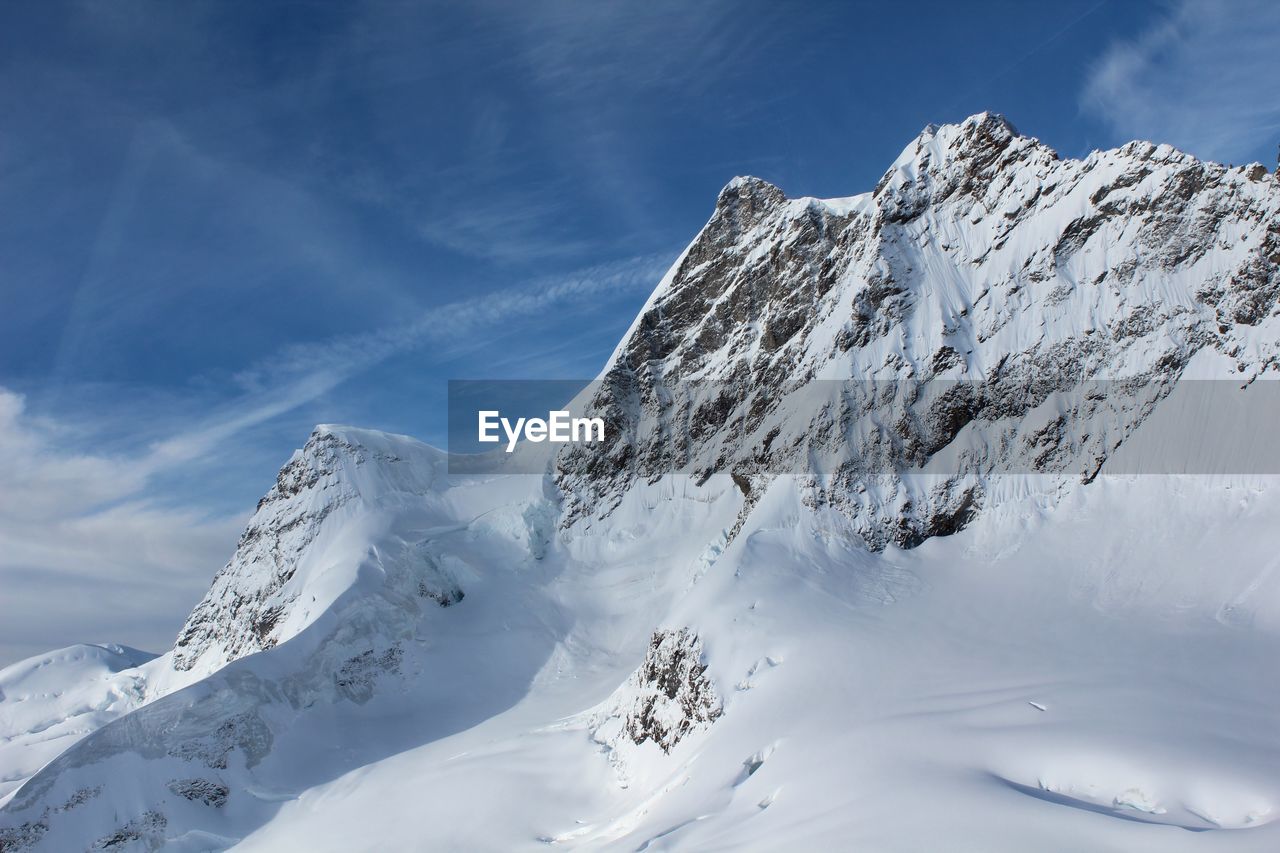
[
  {"x": 343, "y": 606},
  {"x": 293, "y": 558},
  {"x": 981, "y": 259},
  {"x": 50, "y": 701}
]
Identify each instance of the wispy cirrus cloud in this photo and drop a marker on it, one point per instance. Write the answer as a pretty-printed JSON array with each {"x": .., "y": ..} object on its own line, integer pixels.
[
  {"x": 299, "y": 373},
  {"x": 613, "y": 46},
  {"x": 1202, "y": 78}
]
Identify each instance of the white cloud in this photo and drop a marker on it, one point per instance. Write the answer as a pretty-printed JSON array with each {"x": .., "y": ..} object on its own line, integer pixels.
[
  {"x": 84, "y": 555},
  {"x": 1203, "y": 79}
]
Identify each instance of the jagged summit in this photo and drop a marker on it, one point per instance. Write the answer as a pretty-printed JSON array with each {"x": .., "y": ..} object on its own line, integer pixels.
[
  {"x": 980, "y": 141},
  {"x": 973, "y": 136},
  {"x": 745, "y": 200},
  {"x": 749, "y": 185},
  {"x": 746, "y": 196}
]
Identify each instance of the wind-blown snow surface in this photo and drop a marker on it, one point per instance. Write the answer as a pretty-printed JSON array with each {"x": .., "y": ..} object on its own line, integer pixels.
[{"x": 397, "y": 658}]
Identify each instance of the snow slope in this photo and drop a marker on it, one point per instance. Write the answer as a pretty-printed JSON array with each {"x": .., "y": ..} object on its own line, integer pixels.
[
  {"x": 1040, "y": 681},
  {"x": 756, "y": 623}
]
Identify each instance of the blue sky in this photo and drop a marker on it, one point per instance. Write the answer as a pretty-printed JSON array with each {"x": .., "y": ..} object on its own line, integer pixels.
[{"x": 222, "y": 223}]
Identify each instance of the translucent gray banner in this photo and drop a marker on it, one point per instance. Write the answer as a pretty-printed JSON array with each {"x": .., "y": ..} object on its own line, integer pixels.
[{"x": 943, "y": 427}]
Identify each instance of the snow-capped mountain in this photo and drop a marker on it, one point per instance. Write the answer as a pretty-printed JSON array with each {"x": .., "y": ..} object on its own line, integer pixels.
[
  {"x": 982, "y": 302},
  {"x": 757, "y": 619}
]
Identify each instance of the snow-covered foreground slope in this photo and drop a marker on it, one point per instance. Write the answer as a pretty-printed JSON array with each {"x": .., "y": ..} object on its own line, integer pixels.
[
  {"x": 1047, "y": 680},
  {"x": 1035, "y": 650},
  {"x": 388, "y": 665},
  {"x": 1088, "y": 673}
]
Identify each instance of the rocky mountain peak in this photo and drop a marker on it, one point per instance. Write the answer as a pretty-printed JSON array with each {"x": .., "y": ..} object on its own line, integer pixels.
[
  {"x": 956, "y": 160},
  {"x": 745, "y": 200},
  {"x": 981, "y": 258}
]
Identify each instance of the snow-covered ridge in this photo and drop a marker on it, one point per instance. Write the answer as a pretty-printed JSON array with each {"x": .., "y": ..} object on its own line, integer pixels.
[{"x": 330, "y": 496}]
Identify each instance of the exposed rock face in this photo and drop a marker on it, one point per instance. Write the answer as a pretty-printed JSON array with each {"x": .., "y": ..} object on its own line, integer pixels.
[
  {"x": 204, "y": 791},
  {"x": 146, "y": 832},
  {"x": 356, "y": 678},
  {"x": 28, "y": 834},
  {"x": 983, "y": 264},
  {"x": 238, "y": 615},
  {"x": 668, "y": 697}
]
